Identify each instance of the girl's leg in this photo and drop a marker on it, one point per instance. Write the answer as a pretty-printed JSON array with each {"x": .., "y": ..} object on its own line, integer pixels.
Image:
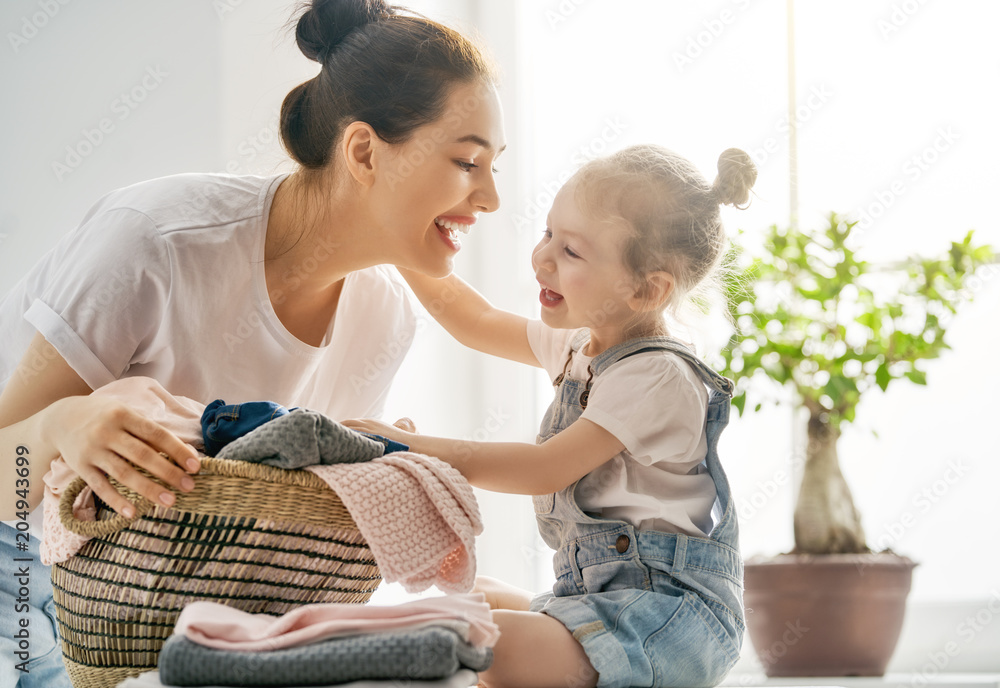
[{"x": 536, "y": 651}]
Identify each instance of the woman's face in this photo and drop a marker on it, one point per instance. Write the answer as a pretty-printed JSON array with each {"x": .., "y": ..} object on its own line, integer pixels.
[{"x": 430, "y": 189}]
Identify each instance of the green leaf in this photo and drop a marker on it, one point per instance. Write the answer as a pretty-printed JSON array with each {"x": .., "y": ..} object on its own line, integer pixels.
[
  {"x": 882, "y": 376},
  {"x": 917, "y": 377}
]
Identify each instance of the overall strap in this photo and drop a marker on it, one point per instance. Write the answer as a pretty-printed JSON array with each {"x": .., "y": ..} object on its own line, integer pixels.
[{"x": 646, "y": 344}]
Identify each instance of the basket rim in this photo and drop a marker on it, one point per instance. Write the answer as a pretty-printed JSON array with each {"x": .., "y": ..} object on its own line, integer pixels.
[{"x": 216, "y": 472}]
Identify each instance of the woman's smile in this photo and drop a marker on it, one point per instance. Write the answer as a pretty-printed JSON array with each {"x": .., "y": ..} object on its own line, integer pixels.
[{"x": 450, "y": 226}]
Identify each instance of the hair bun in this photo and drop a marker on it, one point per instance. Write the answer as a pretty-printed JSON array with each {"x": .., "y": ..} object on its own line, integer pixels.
[
  {"x": 737, "y": 174},
  {"x": 327, "y": 22}
]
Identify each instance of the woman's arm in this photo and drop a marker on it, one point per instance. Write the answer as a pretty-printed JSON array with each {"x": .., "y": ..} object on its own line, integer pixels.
[
  {"x": 471, "y": 319},
  {"x": 514, "y": 467},
  {"x": 46, "y": 411}
]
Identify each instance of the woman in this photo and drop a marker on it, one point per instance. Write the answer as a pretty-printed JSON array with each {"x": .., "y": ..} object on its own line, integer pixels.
[{"x": 247, "y": 288}]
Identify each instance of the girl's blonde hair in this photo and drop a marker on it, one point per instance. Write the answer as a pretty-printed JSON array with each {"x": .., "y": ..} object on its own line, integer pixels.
[{"x": 670, "y": 210}]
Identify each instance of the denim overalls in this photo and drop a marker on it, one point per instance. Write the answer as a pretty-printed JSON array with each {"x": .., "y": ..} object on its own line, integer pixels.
[{"x": 650, "y": 608}]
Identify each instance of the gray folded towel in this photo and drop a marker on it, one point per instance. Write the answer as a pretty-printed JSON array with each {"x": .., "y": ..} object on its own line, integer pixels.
[
  {"x": 422, "y": 654},
  {"x": 302, "y": 438},
  {"x": 463, "y": 679}
]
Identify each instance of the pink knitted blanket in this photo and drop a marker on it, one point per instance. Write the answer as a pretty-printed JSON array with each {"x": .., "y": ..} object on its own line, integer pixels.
[{"x": 417, "y": 513}]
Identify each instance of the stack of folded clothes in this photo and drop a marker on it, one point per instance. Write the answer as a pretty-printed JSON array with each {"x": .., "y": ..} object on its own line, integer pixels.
[{"x": 441, "y": 640}]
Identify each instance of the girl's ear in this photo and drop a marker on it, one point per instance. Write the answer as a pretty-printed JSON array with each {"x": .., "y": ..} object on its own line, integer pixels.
[
  {"x": 357, "y": 147},
  {"x": 654, "y": 292}
]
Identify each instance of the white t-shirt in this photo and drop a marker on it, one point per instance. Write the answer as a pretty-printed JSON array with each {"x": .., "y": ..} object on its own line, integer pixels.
[
  {"x": 165, "y": 279},
  {"x": 655, "y": 404}
]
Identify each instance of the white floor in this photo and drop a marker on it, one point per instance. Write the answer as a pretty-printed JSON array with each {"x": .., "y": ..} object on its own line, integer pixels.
[{"x": 887, "y": 681}]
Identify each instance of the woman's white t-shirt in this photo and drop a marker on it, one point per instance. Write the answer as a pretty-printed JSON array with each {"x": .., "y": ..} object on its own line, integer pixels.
[
  {"x": 655, "y": 404},
  {"x": 165, "y": 279}
]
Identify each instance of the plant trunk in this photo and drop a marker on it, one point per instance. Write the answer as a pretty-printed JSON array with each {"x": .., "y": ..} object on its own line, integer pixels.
[{"x": 826, "y": 521}]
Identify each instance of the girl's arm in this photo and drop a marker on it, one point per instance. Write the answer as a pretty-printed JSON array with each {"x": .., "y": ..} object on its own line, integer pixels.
[
  {"x": 471, "y": 319},
  {"x": 514, "y": 467},
  {"x": 46, "y": 411}
]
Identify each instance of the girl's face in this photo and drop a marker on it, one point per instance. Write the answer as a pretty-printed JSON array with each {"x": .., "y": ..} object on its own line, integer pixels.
[
  {"x": 578, "y": 264},
  {"x": 432, "y": 188}
]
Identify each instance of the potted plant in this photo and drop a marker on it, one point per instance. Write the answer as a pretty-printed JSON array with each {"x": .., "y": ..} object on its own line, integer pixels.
[{"x": 813, "y": 316}]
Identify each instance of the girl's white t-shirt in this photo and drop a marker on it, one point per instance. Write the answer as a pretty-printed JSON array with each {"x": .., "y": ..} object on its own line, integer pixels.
[
  {"x": 655, "y": 404},
  {"x": 165, "y": 279}
]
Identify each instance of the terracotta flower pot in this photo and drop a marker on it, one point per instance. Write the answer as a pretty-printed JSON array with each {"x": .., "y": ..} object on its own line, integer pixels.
[{"x": 829, "y": 615}]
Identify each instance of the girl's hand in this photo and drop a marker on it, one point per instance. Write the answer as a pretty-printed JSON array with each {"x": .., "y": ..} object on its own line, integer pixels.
[
  {"x": 100, "y": 437},
  {"x": 394, "y": 432}
]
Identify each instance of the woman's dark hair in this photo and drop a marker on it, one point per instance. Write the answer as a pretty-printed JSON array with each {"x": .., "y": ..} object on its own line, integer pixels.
[{"x": 380, "y": 65}]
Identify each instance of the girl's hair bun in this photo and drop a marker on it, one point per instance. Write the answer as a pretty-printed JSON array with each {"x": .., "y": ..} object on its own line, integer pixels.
[
  {"x": 327, "y": 22},
  {"x": 737, "y": 174}
]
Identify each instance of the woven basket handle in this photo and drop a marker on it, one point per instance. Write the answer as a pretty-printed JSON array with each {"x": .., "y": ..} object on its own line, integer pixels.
[{"x": 96, "y": 528}]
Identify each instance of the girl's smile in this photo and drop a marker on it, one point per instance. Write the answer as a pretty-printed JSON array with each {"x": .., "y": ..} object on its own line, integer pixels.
[{"x": 548, "y": 297}]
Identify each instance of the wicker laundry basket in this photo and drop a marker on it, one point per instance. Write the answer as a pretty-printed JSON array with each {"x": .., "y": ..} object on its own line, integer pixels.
[{"x": 261, "y": 539}]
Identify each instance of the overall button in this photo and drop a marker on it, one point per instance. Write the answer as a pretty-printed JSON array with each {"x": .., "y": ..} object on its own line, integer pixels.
[{"x": 621, "y": 544}]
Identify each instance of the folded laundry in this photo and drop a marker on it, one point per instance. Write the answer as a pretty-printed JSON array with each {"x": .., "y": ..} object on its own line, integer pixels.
[
  {"x": 221, "y": 423},
  {"x": 302, "y": 438},
  {"x": 418, "y": 515},
  {"x": 224, "y": 628},
  {"x": 461, "y": 679},
  {"x": 426, "y": 653}
]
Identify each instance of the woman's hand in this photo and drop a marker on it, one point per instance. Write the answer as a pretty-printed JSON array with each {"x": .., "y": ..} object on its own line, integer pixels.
[
  {"x": 100, "y": 438},
  {"x": 47, "y": 410},
  {"x": 403, "y": 430}
]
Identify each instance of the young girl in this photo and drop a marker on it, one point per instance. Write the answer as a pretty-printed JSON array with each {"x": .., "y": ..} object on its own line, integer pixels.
[{"x": 628, "y": 486}]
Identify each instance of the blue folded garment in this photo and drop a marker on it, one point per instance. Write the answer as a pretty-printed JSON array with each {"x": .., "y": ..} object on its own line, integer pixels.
[{"x": 423, "y": 654}]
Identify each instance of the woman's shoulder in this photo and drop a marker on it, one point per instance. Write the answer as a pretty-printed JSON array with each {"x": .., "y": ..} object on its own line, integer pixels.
[
  {"x": 381, "y": 289},
  {"x": 191, "y": 200}
]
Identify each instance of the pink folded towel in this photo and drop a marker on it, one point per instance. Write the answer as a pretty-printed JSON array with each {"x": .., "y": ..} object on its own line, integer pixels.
[
  {"x": 179, "y": 415},
  {"x": 224, "y": 628},
  {"x": 418, "y": 514}
]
